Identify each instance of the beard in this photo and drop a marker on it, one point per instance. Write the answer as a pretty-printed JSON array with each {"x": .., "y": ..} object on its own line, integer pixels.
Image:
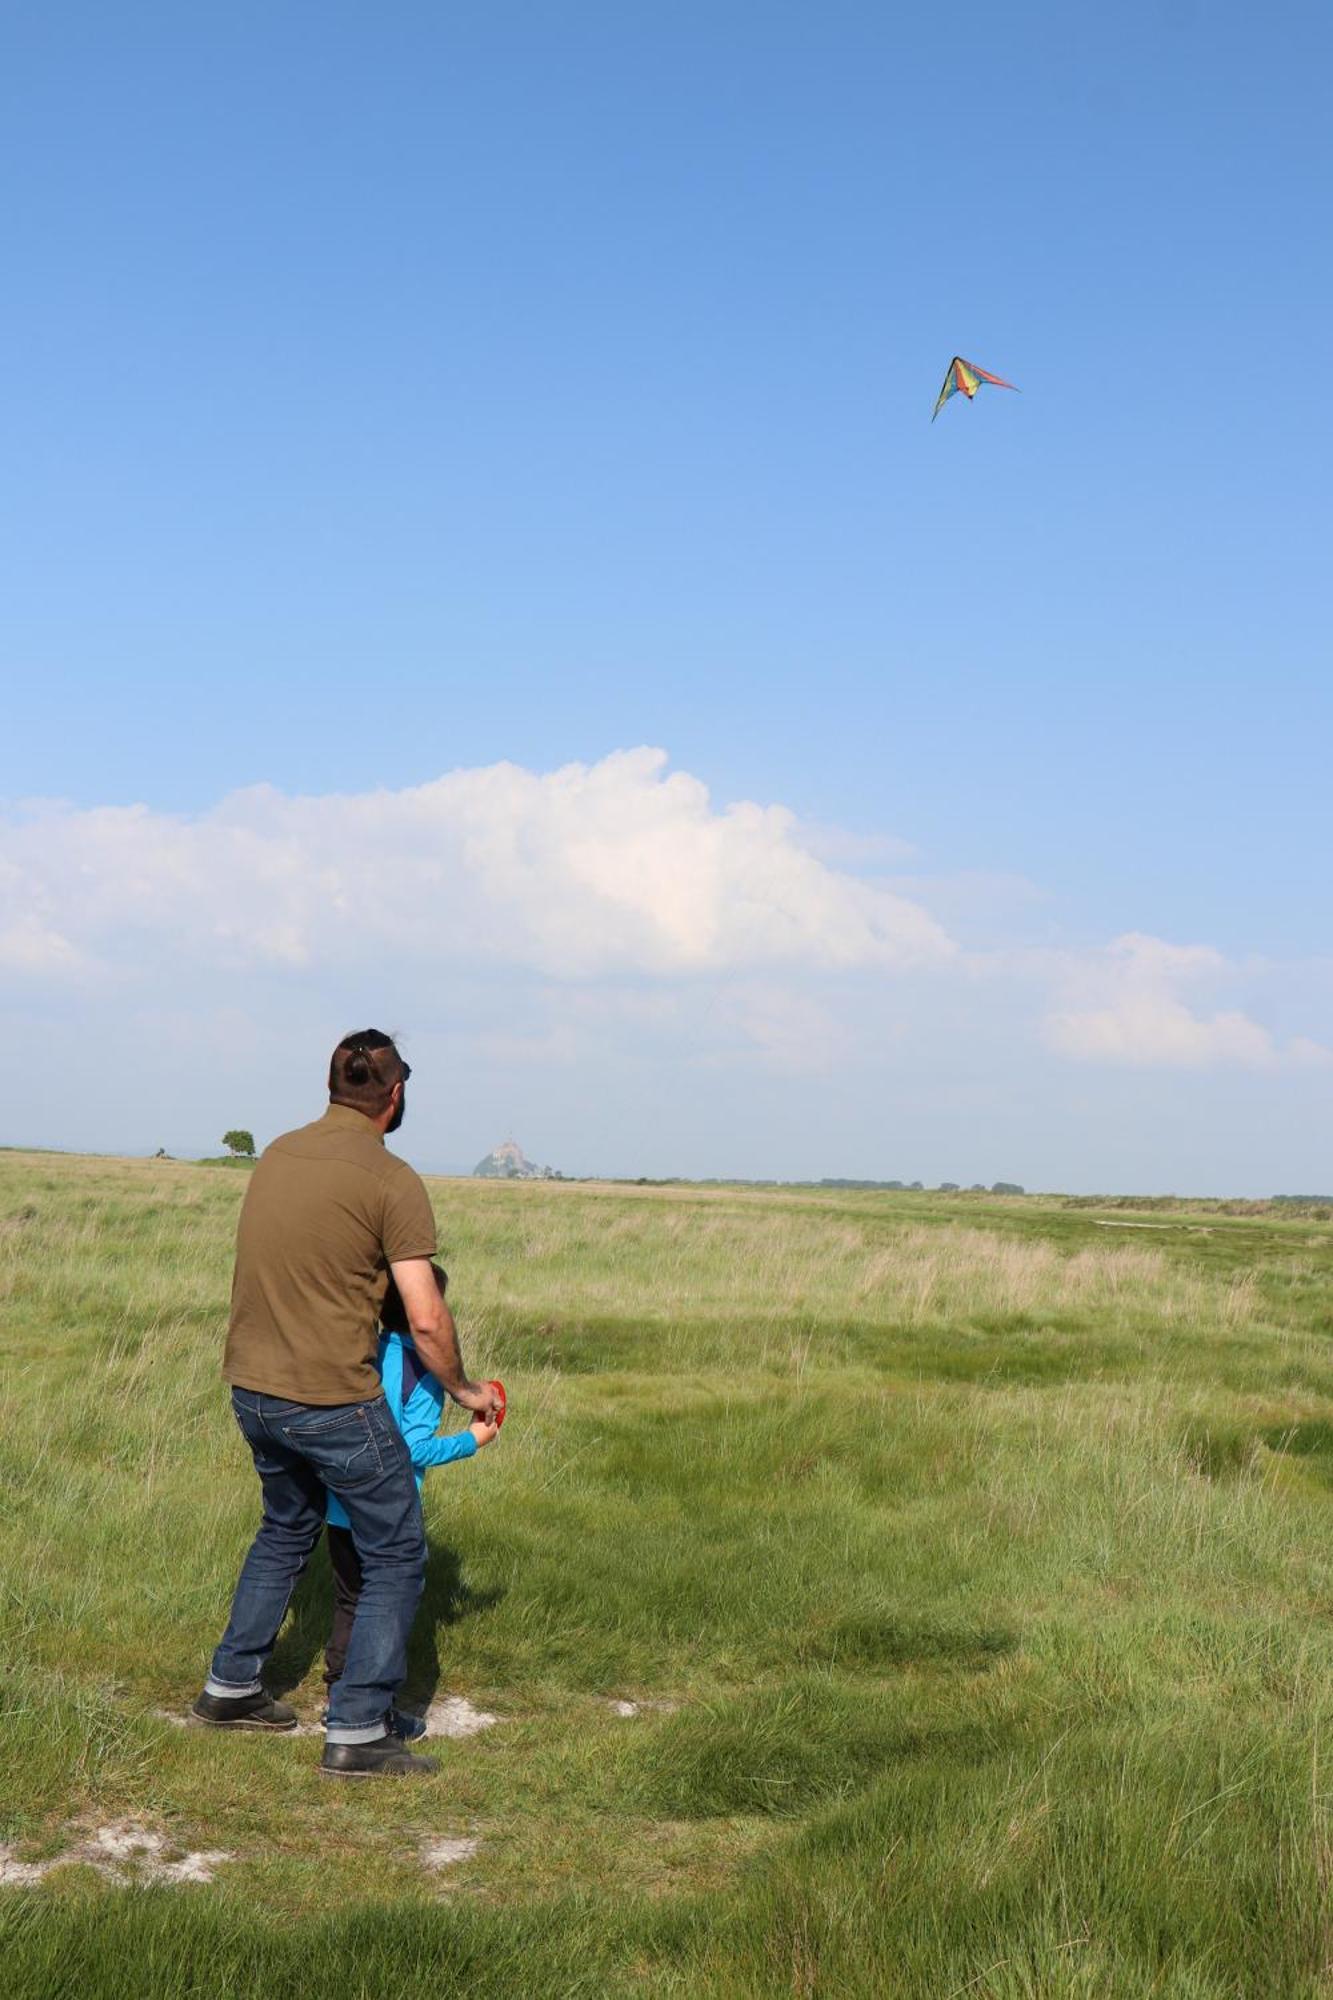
[{"x": 397, "y": 1118}]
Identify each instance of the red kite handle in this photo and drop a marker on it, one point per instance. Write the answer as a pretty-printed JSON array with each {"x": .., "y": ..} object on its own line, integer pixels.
[{"x": 499, "y": 1389}]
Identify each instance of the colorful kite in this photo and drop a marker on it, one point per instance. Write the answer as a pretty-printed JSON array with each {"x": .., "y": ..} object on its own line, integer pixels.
[{"x": 965, "y": 375}]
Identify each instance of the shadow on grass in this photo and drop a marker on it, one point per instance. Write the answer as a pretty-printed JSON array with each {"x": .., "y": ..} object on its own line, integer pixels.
[
  {"x": 1311, "y": 1443},
  {"x": 782, "y": 1752},
  {"x": 1218, "y": 1451},
  {"x": 1227, "y": 1451},
  {"x": 1309, "y": 1440},
  {"x": 869, "y": 1641},
  {"x": 447, "y": 1600},
  {"x": 1001, "y": 1351}
]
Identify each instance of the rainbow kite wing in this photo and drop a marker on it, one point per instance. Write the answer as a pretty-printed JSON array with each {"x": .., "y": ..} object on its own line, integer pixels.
[{"x": 967, "y": 377}]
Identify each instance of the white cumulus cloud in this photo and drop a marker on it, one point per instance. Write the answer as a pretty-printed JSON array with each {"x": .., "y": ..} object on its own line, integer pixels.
[
  {"x": 1124, "y": 1006},
  {"x": 594, "y": 869}
]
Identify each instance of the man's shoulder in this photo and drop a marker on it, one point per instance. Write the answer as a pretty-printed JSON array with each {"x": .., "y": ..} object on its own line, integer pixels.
[
  {"x": 336, "y": 1143},
  {"x": 294, "y": 1141},
  {"x": 395, "y": 1164}
]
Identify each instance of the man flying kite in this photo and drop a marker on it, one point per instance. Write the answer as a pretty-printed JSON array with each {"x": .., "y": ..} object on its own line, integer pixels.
[{"x": 965, "y": 375}]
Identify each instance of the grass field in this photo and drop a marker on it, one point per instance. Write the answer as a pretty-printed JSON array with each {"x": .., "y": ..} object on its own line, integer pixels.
[{"x": 967, "y": 1562}]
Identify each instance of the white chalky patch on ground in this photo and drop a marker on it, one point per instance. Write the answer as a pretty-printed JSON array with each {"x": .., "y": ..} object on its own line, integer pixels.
[
  {"x": 624, "y": 1708},
  {"x": 192, "y": 1867},
  {"x": 16, "y": 1874},
  {"x": 453, "y": 1716},
  {"x": 124, "y": 1841},
  {"x": 619, "y": 1706},
  {"x": 444, "y": 1853},
  {"x": 123, "y": 1852},
  {"x": 127, "y": 1852}
]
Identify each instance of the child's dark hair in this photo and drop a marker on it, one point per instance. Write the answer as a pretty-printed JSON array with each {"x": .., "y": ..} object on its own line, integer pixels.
[
  {"x": 393, "y": 1313},
  {"x": 363, "y": 1070}
]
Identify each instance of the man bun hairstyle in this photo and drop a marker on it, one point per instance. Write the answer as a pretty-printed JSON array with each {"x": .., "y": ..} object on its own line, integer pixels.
[{"x": 364, "y": 1070}]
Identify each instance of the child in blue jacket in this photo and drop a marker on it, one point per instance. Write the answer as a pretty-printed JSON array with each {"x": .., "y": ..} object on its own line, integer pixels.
[{"x": 416, "y": 1401}]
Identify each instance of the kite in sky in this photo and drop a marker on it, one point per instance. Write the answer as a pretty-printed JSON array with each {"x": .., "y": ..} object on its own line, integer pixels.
[{"x": 965, "y": 375}]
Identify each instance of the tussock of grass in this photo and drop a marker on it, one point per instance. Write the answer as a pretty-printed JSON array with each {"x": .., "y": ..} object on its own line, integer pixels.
[{"x": 969, "y": 1563}]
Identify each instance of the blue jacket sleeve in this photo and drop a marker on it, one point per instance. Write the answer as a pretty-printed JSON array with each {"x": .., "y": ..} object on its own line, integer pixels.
[
  {"x": 417, "y": 1413},
  {"x": 419, "y": 1421},
  {"x": 440, "y": 1450}
]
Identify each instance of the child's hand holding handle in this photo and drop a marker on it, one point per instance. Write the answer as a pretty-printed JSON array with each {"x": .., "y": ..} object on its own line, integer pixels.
[{"x": 484, "y": 1432}]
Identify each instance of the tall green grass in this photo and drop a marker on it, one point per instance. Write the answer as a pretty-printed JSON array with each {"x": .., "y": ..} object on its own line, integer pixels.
[{"x": 969, "y": 1564}]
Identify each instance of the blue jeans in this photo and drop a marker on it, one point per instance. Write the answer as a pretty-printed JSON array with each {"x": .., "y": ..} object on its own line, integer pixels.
[{"x": 356, "y": 1451}]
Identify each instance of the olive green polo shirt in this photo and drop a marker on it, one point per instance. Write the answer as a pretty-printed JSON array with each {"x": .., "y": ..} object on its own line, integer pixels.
[{"x": 327, "y": 1211}]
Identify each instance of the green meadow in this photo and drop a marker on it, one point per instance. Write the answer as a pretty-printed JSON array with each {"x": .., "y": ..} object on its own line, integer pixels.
[{"x": 885, "y": 1594}]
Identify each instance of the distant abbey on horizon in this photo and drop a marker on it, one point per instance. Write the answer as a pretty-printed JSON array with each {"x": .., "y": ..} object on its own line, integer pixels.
[{"x": 508, "y": 1162}]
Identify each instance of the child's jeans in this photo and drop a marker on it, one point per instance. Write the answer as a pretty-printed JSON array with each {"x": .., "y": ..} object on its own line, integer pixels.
[{"x": 346, "y": 1566}]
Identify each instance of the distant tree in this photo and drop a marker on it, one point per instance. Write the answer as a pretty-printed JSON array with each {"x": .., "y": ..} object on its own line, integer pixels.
[
  {"x": 1006, "y": 1187},
  {"x": 240, "y": 1143},
  {"x": 916, "y": 1187},
  {"x": 948, "y": 1187}
]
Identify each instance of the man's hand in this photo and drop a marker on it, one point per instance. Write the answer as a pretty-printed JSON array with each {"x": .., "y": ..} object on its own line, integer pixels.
[{"x": 478, "y": 1396}]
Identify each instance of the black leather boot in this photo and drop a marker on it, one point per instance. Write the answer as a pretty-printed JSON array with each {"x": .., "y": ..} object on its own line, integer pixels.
[
  {"x": 243, "y": 1711},
  {"x": 385, "y": 1757}
]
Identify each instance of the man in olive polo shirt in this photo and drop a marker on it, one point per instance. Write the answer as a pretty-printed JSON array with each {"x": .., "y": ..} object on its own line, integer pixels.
[{"x": 329, "y": 1213}]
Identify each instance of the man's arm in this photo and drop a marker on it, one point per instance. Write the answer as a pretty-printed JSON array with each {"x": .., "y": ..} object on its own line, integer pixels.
[{"x": 432, "y": 1328}]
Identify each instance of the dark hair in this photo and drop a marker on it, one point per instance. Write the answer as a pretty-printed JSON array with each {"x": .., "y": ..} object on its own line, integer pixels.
[
  {"x": 393, "y": 1313},
  {"x": 364, "y": 1069}
]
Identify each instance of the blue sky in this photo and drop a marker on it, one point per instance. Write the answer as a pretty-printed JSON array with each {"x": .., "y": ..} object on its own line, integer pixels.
[{"x": 401, "y": 392}]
